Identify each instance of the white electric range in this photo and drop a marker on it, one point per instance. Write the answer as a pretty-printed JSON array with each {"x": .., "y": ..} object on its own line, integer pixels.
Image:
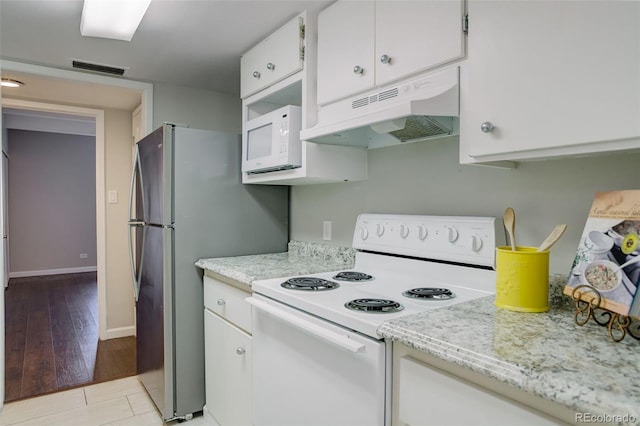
[{"x": 317, "y": 358}]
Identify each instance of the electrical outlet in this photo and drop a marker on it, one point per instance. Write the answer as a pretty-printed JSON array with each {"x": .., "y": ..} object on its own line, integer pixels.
[
  {"x": 83, "y": 255},
  {"x": 326, "y": 230}
]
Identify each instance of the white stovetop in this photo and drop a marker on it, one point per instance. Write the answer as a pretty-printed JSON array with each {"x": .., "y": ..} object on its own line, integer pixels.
[{"x": 392, "y": 276}]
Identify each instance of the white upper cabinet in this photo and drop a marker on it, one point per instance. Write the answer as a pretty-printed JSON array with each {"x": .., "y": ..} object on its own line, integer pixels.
[
  {"x": 413, "y": 36},
  {"x": 296, "y": 86},
  {"x": 345, "y": 49},
  {"x": 549, "y": 79},
  {"x": 362, "y": 44},
  {"x": 273, "y": 59}
]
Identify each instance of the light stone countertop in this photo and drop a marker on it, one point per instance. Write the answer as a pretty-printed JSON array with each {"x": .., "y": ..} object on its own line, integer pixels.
[
  {"x": 301, "y": 258},
  {"x": 546, "y": 354}
]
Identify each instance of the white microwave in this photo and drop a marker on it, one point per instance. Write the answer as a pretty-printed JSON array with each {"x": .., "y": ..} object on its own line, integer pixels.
[{"x": 272, "y": 141}]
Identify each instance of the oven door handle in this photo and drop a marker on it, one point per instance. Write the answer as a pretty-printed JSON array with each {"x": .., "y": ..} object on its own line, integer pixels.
[{"x": 308, "y": 327}]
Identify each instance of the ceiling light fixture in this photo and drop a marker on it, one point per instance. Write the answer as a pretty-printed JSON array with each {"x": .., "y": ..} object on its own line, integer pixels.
[
  {"x": 9, "y": 82},
  {"x": 115, "y": 19}
]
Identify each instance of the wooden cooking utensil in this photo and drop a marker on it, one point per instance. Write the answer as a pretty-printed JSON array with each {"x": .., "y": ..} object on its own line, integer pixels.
[
  {"x": 553, "y": 237},
  {"x": 509, "y": 219}
]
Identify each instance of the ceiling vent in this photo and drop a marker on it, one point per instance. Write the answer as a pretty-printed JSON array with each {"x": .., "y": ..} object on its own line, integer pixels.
[{"x": 106, "y": 69}]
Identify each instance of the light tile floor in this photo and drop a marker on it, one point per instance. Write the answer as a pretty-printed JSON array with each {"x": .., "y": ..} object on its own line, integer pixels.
[{"x": 122, "y": 402}]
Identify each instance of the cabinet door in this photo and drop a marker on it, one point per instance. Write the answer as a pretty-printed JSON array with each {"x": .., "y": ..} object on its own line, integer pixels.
[
  {"x": 429, "y": 396},
  {"x": 274, "y": 58},
  {"x": 345, "y": 50},
  {"x": 549, "y": 76},
  {"x": 227, "y": 371},
  {"x": 413, "y": 36}
]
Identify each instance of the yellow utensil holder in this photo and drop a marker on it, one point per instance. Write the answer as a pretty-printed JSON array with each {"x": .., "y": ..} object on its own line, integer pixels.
[{"x": 522, "y": 279}]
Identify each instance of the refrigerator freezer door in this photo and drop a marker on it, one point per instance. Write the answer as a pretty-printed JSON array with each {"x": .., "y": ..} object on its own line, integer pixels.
[{"x": 154, "y": 330}]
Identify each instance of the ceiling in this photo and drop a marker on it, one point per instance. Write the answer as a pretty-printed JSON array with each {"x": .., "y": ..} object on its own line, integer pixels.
[{"x": 195, "y": 43}]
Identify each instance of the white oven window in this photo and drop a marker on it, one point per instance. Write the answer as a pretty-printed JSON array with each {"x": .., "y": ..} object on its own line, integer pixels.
[{"x": 259, "y": 142}]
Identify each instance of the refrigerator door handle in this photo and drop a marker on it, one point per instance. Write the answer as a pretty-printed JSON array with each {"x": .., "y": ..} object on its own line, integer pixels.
[
  {"x": 133, "y": 224},
  {"x": 132, "y": 187},
  {"x": 136, "y": 275}
]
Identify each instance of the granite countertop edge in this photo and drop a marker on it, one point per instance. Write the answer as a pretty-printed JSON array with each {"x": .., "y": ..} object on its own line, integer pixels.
[{"x": 302, "y": 257}]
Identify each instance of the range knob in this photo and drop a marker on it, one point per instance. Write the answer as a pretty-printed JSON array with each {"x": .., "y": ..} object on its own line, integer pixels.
[
  {"x": 364, "y": 233},
  {"x": 452, "y": 234},
  {"x": 476, "y": 243},
  {"x": 422, "y": 232},
  {"x": 379, "y": 229},
  {"x": 404, "y": 231}
]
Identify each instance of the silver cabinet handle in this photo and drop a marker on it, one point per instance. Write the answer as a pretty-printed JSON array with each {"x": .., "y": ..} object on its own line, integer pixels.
[
  {"x": 486, "y": 127},
  {"x": 271, "y": 67},
  {"x": 240, "y": 351},
  {"x": 256, "y": 74},
  {"x": 385, "y": 59},
  {"x": 221, "y": 302},
  {"x": 358, "y": 69}
]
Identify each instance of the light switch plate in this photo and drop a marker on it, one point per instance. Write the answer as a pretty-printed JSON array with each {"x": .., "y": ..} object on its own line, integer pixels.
[{"x": 113, "y": 197}]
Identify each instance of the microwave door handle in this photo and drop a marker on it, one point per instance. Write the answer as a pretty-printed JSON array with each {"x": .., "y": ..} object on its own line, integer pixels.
[{"x": 308, "y": 327}]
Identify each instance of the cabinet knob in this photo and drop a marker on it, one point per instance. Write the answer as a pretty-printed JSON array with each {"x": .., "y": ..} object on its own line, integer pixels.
[
  {"x": 385, "y": 59},
  {"x": 486, "y": 127},
  {"x": 358, "y": 69},
  {"x": 221, "y": 302},
  {"x": 256, "y": 74},
  {"x": 240, "y": 351},
  {"x": 271, "y": 67}
]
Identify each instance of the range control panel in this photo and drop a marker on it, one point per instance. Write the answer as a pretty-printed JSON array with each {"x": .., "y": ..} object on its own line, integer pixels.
[{"x": 462, "y": 239}]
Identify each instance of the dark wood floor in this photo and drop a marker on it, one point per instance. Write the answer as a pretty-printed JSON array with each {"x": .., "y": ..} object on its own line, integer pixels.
[{"x": 51, "y": 337}]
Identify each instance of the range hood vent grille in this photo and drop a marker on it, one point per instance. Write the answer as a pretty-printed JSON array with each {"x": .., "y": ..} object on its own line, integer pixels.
[
  {"x": 107, "y": 69},
  {"x": 388, "y": 94},
  {"x": 420, "y": 127},
  {"x": 378, "y": 97}
]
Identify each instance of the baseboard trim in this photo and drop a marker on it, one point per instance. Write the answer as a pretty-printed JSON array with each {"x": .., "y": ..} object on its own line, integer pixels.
[
  {"x": 114, "y": 333},
  {"x": 40, "y": 272}
]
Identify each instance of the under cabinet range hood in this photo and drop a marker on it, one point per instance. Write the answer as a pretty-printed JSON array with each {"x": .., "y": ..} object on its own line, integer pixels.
[{"x": 413, "y": 110}]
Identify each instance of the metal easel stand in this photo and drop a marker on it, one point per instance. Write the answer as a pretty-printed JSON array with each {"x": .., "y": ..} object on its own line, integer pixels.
[{"x": 588, "y": 300}]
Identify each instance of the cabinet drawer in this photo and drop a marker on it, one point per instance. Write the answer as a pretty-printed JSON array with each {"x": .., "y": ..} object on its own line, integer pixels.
[{"x": 228, "y": 302}]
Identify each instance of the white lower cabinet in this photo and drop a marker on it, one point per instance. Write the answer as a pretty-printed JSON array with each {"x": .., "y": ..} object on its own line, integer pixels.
[
  {"x": 228, "y": 349},
  {"x": 427, "y": 395}
]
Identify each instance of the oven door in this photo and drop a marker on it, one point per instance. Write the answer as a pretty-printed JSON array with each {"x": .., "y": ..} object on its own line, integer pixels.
[{"x": 307, "y": 371}]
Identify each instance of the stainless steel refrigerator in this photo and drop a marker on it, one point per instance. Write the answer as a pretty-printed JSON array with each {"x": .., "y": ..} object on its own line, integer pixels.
[{"x": 188, "y": 202}]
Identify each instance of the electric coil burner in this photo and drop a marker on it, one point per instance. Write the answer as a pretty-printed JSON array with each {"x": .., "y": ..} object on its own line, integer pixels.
[
  {"x": 352, "y": 276},
  {"x": 430, "y": 293},
  {"x": 309, "y": 284},
  {"x": 374, "y": 305}
]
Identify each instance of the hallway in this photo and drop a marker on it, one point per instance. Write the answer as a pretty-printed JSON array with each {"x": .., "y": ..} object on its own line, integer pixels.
[{"x": 52, "y": 337}]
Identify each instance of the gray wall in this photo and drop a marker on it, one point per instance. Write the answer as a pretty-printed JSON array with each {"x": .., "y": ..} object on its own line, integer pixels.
[
  {"x": 425, "y": 178},
  {"x": 52, "y": 201},
  {"x": 198, "y": 108}
]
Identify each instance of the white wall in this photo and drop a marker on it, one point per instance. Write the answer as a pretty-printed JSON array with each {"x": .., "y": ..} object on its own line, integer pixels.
[
  {"x": 52, "y": 203},
  {"x": 425, "y": 178},
  {"x": 118, "y": 162}
]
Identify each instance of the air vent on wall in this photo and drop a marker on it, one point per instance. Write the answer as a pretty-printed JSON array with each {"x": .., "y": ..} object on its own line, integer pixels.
[{"x": 97, "y": 68}]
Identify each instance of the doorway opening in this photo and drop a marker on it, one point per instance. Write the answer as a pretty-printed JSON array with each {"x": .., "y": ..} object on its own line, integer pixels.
[{"x": 56, "y": 90}]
